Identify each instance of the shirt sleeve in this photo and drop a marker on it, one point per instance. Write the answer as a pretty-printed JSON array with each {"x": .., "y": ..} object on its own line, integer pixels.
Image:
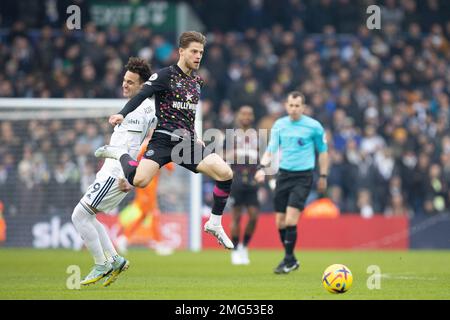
[
  {"x": 320, "y": 139},
  {"x": 156, "y": 83},
  {"x": 274, "y": 143}
]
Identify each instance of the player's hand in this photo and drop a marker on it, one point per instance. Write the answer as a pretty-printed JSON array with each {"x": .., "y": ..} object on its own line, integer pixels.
[
  {"x": 260, "y": 176},
  {"x": 115, "y": 119},
  {"x": 322, "y": 185},
  {"x": 124, "y": 186}
]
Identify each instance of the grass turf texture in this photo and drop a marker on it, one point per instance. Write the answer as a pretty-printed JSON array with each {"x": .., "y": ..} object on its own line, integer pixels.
[{"x": 41, "y": 274}]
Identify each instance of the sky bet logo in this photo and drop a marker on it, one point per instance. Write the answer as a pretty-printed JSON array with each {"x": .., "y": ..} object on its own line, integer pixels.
[{"x": 133, "y": 121}]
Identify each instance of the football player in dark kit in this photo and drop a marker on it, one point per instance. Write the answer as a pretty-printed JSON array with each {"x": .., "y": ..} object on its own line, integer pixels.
[
  {"x": 177, "y": 93},
  {"x": 245, "y": 188}
]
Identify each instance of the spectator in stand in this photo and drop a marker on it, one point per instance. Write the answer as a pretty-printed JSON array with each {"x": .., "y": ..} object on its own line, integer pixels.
[{"x": 370, "y": 89}]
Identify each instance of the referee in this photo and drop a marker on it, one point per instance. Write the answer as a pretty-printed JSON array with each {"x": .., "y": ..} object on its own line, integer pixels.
[{"x": 297, "y": 137}]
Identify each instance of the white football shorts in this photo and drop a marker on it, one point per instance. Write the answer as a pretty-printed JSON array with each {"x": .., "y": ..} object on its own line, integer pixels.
[{"x": 104, "y": 194}]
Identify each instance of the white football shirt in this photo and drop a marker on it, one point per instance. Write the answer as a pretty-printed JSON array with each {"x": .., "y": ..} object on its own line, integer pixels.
[{"x": 129, "y": 136}]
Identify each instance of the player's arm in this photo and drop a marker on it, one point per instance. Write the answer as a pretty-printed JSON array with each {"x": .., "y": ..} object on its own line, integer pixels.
[
  {"x": 157, "y": 82},
  {"x": 132, "y": 104},
  {"x": 265, "y": 162},
  {"x": 196, "y": 137},
  {"x": 323, "y": 171},
  {"x": 267, "y": 158},
  {"x": 320, "y": 142}
]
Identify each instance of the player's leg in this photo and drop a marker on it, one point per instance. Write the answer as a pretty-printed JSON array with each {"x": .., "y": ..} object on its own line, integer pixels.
[
  {"x": 235, "y": 232},
  {"x": 106, "y": 199},
  {"x": 118, "y": 263},
  {"x": 280, "y": 202},
  {"x": 252, "y": 204},
  {"x": 216, "y": 168},
  {"x": 252, "y": 212},
  {"x": 281, "y": 198},
  {"x": 291, "y": 220},
  {"x": 103, "y": 190},
  {"x": 236, "y": 212},
  {"x": 280, "y": 222},
  {"x": 139, "y": 174},
  {"x": 145, "y": 172},
  {"x": 296, "y": 204},
  {"x": 82, "y": 218},
  {"x": 107, "y": 245},
  {"x": 158, "y": 154}
]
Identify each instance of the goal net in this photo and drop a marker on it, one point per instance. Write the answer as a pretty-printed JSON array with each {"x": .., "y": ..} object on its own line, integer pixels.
[{"x": 47, "y": 162}]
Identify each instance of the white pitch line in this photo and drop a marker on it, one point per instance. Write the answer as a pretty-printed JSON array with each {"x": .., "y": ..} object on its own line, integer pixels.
[{"x": 404, "y": 277}]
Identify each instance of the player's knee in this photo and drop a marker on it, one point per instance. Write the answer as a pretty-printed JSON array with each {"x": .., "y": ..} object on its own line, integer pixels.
[
  {"x": 140, "y": 182},
  {"x": 77, "y": 215},
  {"x": 280, "y": 222}
]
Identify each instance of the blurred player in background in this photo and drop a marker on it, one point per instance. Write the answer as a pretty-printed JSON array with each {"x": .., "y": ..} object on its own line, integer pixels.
[
  {"x": 146, "y": 202},
  {"x": 110, "y": 187},
  {"x": 177, "y": 91},
  {"x": 245, "y": 189},
  {"x": 297, "y": 136}
]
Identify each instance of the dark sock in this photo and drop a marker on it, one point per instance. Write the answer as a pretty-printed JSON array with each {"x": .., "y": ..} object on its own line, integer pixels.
[
  {"x": 282, "y": 233},
  {"x": 290, "y": 241},
  {"x": 129, "y": 166},
  {"x": 221, "y": 193},
  {"x": 247, "y": 238},
  {"x": 249, "y": 230},
  {"x": 235, "y": 241}
]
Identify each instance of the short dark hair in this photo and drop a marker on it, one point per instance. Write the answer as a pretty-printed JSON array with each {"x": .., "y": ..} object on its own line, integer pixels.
[
  {"x": 139, "y": 66},
  {"x": 191, "y": 36},
  {"x": 296, "y": 94}
]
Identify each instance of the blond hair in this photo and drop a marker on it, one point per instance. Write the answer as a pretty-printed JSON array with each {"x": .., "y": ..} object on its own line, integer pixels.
[{"x": 191, "y": 36}]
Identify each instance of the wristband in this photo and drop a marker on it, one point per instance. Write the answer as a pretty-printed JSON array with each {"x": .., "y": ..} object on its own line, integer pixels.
[{"x": 323, "y": 175}]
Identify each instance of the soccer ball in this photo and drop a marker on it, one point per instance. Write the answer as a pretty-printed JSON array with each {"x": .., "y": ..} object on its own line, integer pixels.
[{"x": 337, "y": 278}]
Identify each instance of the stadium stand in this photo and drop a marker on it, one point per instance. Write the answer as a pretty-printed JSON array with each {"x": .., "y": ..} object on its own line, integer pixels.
[{"x": 383, "y": 95}]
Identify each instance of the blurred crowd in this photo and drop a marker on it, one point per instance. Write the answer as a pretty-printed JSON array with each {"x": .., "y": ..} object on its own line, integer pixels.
[{"x": 382, "y": 95}]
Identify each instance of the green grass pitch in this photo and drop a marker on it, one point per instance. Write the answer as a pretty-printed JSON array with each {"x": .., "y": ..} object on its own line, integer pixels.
[{"x": 42, "y": 274}]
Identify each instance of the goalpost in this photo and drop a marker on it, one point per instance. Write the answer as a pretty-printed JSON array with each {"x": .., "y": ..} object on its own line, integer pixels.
[{"x": 21, "y": 112}]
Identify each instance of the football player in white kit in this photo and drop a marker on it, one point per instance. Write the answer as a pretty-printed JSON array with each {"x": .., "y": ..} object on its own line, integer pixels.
[{"x": 110, "y": 187}]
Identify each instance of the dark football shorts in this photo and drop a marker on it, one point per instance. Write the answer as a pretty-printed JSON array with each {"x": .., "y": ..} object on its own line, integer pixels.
[
  {"x": 164, "y": 148},
  {"x": 292, "y": 189},
  {"x": 245, "y": 196}
]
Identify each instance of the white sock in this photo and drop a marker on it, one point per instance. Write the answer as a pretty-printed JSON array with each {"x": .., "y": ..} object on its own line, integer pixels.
[
  {"x": 215, "y": 219},
  {"x": 82, "y": 220},
  {"x": 108, "y": 247}
]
